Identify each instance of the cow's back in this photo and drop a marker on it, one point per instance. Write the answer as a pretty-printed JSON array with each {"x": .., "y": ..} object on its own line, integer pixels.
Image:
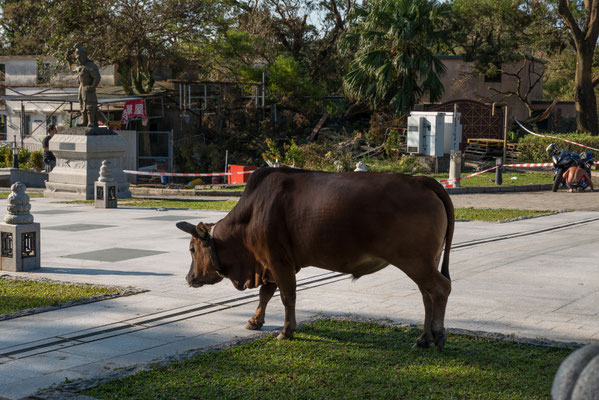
[{"x": 341, "y": 222}]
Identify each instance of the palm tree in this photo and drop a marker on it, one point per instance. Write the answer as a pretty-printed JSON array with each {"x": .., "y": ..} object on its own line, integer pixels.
[{"x": 393, "y": 44}]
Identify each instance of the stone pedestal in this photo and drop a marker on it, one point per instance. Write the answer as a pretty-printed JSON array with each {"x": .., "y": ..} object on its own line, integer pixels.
[
  {"x": 105, "y": 188},
  {"x": 79, "y": 153},
  {"x": 455, "y": 167},
  {"x": 19, "y": 235},
  {"x": 20, "y": 247}
]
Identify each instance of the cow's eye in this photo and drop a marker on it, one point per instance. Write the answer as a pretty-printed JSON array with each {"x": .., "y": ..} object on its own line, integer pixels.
[{"x": 192, "y": 250}]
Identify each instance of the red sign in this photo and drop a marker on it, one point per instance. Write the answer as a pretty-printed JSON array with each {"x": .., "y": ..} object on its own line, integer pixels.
[{"x": 134, "y": 109}]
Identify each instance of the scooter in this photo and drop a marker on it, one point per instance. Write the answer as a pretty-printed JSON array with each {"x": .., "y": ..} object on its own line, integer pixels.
[{"x": 564, "y": 159}]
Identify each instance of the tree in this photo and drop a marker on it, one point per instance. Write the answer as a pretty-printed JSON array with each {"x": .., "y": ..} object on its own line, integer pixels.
[
  {"x": 503, "y": 36},
  {"x": 307, "y": 31},
  {"x": 585, "y": 32},
  {"x": 21, "y": 32},
  {"x": 394, "y": 43},
  {"x": 136, "y": 35}
]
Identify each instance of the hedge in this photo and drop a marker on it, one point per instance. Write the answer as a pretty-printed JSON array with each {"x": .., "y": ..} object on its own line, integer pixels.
[{"x": 532, "y": 148}]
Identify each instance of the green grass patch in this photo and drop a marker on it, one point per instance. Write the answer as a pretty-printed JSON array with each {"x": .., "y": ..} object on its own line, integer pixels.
[
  {"x": 509, "y": 179},
  {"x": 349, "y": 360},
  {"x": 494, "y": 214},
  {"x": 468, "y": 214},
  {"x": 194, "y": 204},
  {"x": 4, "y": 195},
  {"x": 21, "y": 294}
]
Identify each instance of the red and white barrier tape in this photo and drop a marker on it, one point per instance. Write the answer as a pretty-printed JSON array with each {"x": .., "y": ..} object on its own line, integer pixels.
[
  {"x": 449, "y": 183},
  {"x": 555, "y": 137},
  {"x": 183, "y": 174}
]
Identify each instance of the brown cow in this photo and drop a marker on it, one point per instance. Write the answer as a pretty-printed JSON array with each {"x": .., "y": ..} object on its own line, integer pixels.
[{"x": 354, "y": 223}]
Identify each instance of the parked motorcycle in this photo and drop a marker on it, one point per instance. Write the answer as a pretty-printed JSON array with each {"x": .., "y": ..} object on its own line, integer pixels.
[{"x": 564, "y": 159}]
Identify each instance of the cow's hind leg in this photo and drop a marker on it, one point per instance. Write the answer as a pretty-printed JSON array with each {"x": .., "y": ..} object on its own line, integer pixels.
[
  {"x": 427, "y": 335},
  {"x": 435, "y": 290},
  {"x": 439, "y": 291},
  {"x": 266, "y": 292}
]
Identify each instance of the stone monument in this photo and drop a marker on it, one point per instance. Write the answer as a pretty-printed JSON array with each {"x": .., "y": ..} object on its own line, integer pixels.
[
  {"x": 19, "y": 235},
  {"x": 105, "y": 188},
  {"x": 79, "y": 154}
]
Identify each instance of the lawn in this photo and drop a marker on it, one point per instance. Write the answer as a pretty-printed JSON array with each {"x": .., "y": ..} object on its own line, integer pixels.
[
  {"x": 348, "y": 360},
  {"x": 22, "y": 294},
  {"x": 515, "y": 178},
  {"x": 4, "y": 195},
  {"x": 462, "y": 214},
  {"x": 192, "y": 204},
  {"x": 494, "y": 214}
]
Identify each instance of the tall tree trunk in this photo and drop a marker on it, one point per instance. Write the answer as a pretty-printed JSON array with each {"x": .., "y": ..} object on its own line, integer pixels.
[
  {"x": 586, "y": 101},
  {"x": 585, "y": 38}
]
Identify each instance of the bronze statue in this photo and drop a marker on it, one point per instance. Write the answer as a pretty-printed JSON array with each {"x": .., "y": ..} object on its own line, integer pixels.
[{"x": 89, "y": 78}]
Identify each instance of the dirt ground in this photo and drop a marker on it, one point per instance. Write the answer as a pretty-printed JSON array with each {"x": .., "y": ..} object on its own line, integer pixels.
[{"x": 544, "y": 200}]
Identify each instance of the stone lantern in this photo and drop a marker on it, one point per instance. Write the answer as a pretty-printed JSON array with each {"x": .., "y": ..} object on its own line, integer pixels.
[
  {"x": 20, "y": 236},
  {"x": 360, "y": 167},
  {"x": 105, "y": 188}
]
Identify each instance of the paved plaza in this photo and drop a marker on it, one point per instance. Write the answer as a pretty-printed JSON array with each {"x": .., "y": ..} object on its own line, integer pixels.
[{"x": 534, "y": 278}]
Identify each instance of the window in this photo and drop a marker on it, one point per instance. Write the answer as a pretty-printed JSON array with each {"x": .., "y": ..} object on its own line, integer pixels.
[
  {"x": 27, "y": 125},
  {"x": 52, "y": 121},
  {"x": 2, "y": 127}
]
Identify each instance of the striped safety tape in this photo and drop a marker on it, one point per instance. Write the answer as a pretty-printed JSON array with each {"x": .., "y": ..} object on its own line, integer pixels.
[
  {"x": 555, "y": 137},
  {"x": 183, "y": 174},
  {"x": 447, "y": 184}
]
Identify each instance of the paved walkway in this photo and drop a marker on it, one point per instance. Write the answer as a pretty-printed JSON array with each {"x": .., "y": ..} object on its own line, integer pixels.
[
  {"x": 535, "y": 278},
  {"x": 545, "y": 200}
]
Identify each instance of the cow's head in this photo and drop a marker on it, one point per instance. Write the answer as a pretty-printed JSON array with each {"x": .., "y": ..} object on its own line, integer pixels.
[{"x": 203, "y": 255}]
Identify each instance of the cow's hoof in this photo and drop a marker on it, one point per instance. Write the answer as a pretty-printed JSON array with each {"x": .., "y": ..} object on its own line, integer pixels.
[
  {"x": 421, "y": 344},
  {"x": 284, "y": 336},
  {"x": 254, "y": 326},
  {"x": 440, "y": 342},
  {"x": 440, "y": 339}
]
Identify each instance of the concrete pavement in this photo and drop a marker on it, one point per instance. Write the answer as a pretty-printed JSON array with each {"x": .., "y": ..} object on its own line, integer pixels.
[{"x": 535, "y": 278}]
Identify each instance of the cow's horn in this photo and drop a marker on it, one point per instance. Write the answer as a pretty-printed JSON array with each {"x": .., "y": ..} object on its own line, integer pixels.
[{"x": 187, "y": 227}]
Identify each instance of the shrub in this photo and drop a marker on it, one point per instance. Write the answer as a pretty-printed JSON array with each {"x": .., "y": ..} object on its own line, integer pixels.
[
  {"x": 532, "y": 148},
  {"x": 406, "y": 164},
  {"x": 36, "y": 161},
  {"x": 27, "y": 160},
  {"x": 315, "y": 156}
]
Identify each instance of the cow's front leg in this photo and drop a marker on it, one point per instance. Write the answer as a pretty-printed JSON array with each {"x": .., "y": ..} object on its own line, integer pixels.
[
  {"x": 287, "y": 288},
  {"x": 266, "y": 292}
]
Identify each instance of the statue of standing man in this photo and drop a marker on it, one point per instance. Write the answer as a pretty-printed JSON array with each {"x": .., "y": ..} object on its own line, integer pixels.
[{"x": 89, "y": 78}]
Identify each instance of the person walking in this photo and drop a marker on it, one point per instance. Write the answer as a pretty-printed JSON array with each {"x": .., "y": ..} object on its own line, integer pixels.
[{"x": 49, "y": 159}]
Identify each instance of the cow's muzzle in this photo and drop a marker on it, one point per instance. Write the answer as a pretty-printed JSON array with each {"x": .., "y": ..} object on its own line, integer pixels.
[{"x": 191, "y": 281}]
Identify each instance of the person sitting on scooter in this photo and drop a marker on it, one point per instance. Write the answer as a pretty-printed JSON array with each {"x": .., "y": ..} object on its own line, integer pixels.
[{"x": 577, "y": 179}]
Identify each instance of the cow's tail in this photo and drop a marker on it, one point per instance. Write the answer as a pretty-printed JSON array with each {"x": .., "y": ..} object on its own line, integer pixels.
[{"x": 442, "y": 193}]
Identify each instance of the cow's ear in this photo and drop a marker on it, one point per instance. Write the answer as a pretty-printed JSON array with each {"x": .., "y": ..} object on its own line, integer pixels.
[
  {"x": 202, "y": 231},
  {"x": 189, "y": 228}
]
